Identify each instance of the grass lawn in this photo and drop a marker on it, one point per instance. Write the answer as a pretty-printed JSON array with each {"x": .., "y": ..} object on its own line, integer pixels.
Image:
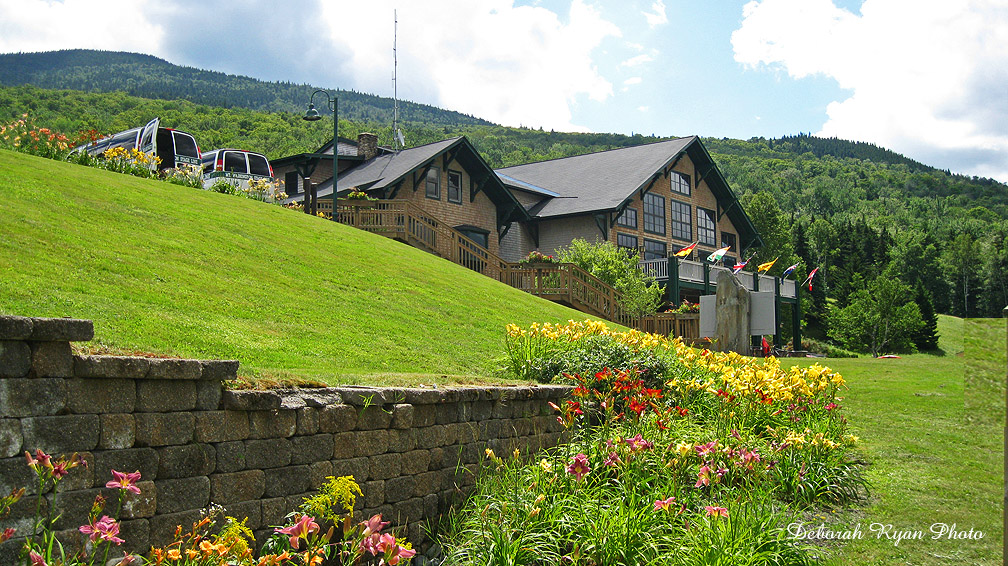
[
  {"x": 932, "y": 429},
  {"x": 176, "y": 270}
]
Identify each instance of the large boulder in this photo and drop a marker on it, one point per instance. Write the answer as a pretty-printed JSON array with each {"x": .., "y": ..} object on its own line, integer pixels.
[{"x": 732, "y": 330}]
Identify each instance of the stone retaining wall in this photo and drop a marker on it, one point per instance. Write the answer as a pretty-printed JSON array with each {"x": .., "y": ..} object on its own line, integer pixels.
[{"x": 257, "y": 453}]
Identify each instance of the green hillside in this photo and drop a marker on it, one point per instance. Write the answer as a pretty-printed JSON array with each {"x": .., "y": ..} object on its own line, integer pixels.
[
  {"x": 176, "y": 270},
  {"x": 150, "y": 77}
]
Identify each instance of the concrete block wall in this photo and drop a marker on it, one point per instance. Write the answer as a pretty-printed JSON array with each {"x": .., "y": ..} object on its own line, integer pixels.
[{"x": 414, "y": 452}]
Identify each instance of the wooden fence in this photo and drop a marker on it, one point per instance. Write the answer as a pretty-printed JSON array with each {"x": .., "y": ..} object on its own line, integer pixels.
[{"x": 563, "y": 283}]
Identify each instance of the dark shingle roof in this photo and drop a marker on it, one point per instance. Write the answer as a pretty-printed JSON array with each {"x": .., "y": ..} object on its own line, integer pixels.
[
  {"x": 602, "y": 182},
  {"x": 595, "y": 181}
]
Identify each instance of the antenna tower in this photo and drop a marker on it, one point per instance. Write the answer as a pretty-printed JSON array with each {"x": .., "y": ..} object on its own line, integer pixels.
[{"x": 397, "y": 137}]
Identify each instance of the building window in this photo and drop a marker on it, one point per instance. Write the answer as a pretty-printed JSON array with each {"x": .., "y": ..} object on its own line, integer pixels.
[
  {"x": 680, "y": 183},
  {"x": 654, "y": 249},
  {"x": 476, "y": 234},
  {"x": 628, "y": 219},
  {"x": 654, "y": 214},
  {"x": 728, "y": 239},
  {"x": 434, "y": 183},
  {"x": 454, "y": 186},
  {"x": 682, "y": 224},
  {"x": 626, "y": 241},
  {"x": 705, "y": 226}
]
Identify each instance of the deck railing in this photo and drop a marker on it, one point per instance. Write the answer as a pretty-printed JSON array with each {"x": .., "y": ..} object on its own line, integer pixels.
[
  {"x": 686, "y": 325},
  {"x": 559, "y": 282},
  {"x": 693, "y": 272}
]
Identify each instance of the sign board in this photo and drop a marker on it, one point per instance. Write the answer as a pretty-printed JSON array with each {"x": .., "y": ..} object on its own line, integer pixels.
[
  {"x": 762, "y": 315},
  {"x": 708, "y": 316},
  {"x": 762, "y": 319}
]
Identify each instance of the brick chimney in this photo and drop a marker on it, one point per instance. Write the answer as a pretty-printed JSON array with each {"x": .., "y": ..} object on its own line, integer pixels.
[{"x": 367, "y": 145}]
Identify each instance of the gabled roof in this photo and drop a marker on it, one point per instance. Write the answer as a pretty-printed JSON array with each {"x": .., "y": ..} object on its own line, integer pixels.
[
  {"x": 347, "y": 150},
  {"x": 390, "y": 171},
  {"x": 605, "y": 181}
]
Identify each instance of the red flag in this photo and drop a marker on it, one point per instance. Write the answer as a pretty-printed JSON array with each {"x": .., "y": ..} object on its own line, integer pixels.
[{"x": 810, "y": 276}]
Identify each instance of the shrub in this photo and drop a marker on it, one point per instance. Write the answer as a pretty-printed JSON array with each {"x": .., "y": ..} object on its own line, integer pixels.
[{"x": 619, "y": 269}]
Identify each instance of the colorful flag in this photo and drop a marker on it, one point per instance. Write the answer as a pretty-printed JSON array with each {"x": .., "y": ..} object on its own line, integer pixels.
[
  {"x": 789, "y": 270},
  {"x": 810, "y": 276},
  {"x": 766, "y": 266},
  {"x": 738, "y": 266},
  {"x": 686, "y": 251},
  {"x": 718, "y": 254}
]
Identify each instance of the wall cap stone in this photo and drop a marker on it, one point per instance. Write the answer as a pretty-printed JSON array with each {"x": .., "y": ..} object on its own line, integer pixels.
[{"x": 45, "y": 329}]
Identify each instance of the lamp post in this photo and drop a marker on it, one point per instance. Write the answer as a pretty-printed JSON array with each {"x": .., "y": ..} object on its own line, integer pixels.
[{"x": 312, "y": 115}]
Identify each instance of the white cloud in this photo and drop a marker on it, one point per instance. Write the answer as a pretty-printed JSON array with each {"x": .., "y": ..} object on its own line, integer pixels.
[
  {"x": 510, "y": 64},
  {"x": 657, "y": 15},
  {"x": 633, "y": 81},
  {"x": 490, "y": 58},
  {"x": 643, "y": 108},
  {"x": 927, "y": 78},
  {"x": 637, "y": 60},
  {"x": 44, "y": 25}
]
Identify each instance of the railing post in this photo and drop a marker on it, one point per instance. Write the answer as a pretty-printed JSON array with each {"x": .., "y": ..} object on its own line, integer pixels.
[
  {"x": 796, "y": 320},
  {"x": 706, "y": 277},
  {"x": 777, "y": 337},
  {"x": 674, "y": 279}
]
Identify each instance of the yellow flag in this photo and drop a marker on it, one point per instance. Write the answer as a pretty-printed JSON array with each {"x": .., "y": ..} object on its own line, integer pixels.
[{"x": 766, "y": 266}]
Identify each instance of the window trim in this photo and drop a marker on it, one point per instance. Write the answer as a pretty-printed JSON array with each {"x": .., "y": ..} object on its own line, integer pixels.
[
  {"x": 436, "y": 171},
  {"x": 664, "y": 215},
  {"x": 673, "y": 221},
  {"x": 459, "y": 175},
  {"x": 711, "y": 216},
  {"x": 625, "y": 235},
  {"x": 663, "y": 244},
  {"x": 619, "y": 220},
  {"x": 685, "y": 180}
]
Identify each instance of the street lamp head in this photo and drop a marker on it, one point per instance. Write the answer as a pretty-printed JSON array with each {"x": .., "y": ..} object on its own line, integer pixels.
[{"x": 312, "y": 115}]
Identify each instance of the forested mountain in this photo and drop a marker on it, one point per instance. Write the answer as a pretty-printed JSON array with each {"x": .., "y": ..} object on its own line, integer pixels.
[
  {"x": 149, "y": 77},
  {"x": 862, "y": 214}
]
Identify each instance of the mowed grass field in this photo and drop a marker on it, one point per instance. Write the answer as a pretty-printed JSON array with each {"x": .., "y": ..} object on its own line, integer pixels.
[
  {"x": 932, "y": 428},
  {"x": 175, "y": 270}
]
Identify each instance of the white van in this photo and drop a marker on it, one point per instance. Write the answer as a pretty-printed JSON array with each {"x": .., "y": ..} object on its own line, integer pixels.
[
  {"x": 235, "y": 167},
  {"x": 173, "y": 147}
]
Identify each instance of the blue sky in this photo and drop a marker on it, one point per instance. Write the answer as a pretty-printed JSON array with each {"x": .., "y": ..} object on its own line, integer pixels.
[{"x": 926, "y": 78}]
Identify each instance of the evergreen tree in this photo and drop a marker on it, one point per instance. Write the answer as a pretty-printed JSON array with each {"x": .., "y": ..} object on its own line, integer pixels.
[{"x": 926, "y": 339}]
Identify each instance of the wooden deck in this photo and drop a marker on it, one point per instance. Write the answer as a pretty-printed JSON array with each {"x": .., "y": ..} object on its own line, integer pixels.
[{"x": 563, "y": 283}]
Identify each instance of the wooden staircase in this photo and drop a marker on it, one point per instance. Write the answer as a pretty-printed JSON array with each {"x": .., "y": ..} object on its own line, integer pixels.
[{"x": 564, "y": 283}]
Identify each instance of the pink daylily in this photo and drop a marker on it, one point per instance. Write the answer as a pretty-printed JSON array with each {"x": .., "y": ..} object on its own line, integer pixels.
[
  {"x": 716, "y": 511},
  {"x": 301, "y": 529},
  {"x": 703, "y": 478},
  {"x": 705, "y": 449},
  {"x": 664, "y": 504},
  {"x": 579, "y": 467},
  {"x": 613, "y": 460},
  {"x": 371, "y": 534},
  {"x": 41, "y": 460},
  {"x": 125, "y": 481},
  {"x": 638, "y": 443},
  {"x": 393, "y": 552},
  {"x": 36, "y": 559},
  {"x": 105, "y": 528}
]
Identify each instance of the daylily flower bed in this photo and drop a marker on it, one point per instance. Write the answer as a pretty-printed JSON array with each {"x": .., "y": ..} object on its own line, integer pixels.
[
  {"x": 214, "y": 540},
  {"x": 680, "y": 456}
]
